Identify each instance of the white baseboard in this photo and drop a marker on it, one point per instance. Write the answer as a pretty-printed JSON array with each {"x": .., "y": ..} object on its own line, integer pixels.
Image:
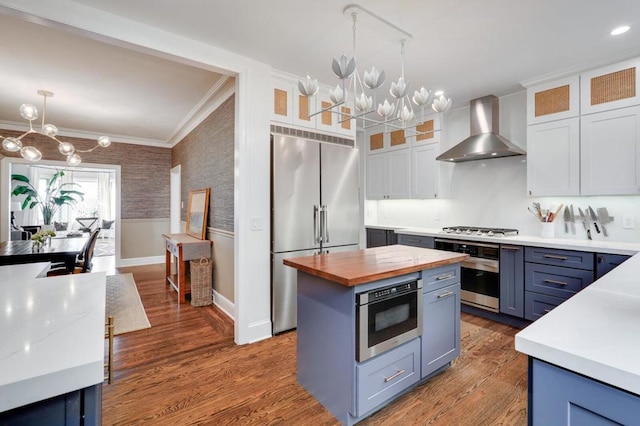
[{"x": 225, "y": 305}]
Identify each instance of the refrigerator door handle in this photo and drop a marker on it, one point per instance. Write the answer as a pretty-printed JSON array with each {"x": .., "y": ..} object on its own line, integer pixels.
[
  {"x": 326, "y": 223},
  {"x": 316, "y": 237}
]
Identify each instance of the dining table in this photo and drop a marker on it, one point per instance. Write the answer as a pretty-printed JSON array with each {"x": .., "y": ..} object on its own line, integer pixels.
[{"x": 57, "y": 250}]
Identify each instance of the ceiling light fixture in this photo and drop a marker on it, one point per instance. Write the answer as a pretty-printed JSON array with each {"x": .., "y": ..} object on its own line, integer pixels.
[
  {"x": 620, "y": 30},
  {"x": 31, "y": 153},
  {"x": 359, "y": 91}
]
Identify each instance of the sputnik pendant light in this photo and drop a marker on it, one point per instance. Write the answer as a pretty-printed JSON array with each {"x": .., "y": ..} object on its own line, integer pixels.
[
  {"x": 360, "y": 91},
  {"x": 31, "y": 153}
]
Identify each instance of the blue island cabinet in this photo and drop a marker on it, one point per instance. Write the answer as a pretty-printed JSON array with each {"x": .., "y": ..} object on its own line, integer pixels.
[
  {"x": 80, "y": 407},
  {"x": 559, "y": 397},
  {"x": 326, "y": 343}
]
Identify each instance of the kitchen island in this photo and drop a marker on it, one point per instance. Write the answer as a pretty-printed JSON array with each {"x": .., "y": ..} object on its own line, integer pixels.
[
  {"x": 584, "y": 355},
  {"x": 52, "y": 352},
  {"x": 350, "y": 379}
]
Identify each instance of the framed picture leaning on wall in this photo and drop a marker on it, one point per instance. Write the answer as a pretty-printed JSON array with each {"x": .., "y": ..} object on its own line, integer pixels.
[{"x": 197, "y": 211}]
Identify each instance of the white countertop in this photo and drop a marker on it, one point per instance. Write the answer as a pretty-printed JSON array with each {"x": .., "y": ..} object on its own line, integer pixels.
[
  {"x": 611, "y": 247},
  {"x": 595, "y": 333},
  {"x": 52, "y": 333}
]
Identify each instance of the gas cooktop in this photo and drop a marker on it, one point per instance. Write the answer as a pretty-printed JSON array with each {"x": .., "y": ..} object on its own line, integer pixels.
[{"x": 475, "y": 230}]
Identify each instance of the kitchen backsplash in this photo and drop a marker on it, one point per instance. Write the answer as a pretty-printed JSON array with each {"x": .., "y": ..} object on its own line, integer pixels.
[{"x": 492, "y": 193}]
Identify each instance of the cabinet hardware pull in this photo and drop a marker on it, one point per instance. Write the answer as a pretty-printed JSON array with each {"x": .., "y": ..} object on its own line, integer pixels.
[
  {"x": 444, "y": 277},
  {"x": 511, "y": 248},
  {"x": 553, "y": 256},
  {"x": 554, "y": 282},
  {"x": 398, "y": 373},
  {"x": 546, "y": 311},
  {"x": 448, "y": 293}
]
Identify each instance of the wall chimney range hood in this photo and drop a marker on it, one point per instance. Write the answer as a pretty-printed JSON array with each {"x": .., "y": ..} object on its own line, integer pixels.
[{"x": 484, "y": 142}]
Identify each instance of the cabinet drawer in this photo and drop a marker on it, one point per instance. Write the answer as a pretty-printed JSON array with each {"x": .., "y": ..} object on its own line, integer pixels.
[
  {"x": 536, "y": 304},
  {"x": 385, "y": 376},
  {"x": 433, "y": 279},
  {"x": 555, "y": 280},
  {"x": 570, "y": 258},
  {"x": 416, "y": 241}
]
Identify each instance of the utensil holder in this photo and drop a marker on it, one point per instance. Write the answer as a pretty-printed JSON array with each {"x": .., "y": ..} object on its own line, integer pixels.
[{"x": 547, "y": 230}]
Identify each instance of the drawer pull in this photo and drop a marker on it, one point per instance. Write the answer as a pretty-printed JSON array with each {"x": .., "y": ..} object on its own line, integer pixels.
[
  {"x": 444, "y": 277},
  {"x": 553, "y": 256},
  {"x": 514, "y": 248},
  {"x": 398, "y": 373},
  {"x": 448, "y": 293},
  {"x": 555, "y": 282},
  {"x": 546, "y": 311}
]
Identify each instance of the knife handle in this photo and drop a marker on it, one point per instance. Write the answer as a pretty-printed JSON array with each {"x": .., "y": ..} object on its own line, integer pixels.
[
  {"x": 566, "y": 228},
  {"x": 595, "y": 224},
  {"x": 589, "y": 234}
]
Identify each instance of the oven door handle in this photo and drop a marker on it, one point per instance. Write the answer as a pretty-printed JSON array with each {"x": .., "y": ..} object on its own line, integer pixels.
[{"x": 477, "y": 263}]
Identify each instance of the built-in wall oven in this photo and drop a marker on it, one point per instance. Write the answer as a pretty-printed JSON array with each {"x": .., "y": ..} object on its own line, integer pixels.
[
  {"x": 388, "y": 317},
  {"x": 479, "y": 274}
]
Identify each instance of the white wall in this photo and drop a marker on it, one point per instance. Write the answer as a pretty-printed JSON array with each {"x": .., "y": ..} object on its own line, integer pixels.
[{"x": 492, "y": 193}]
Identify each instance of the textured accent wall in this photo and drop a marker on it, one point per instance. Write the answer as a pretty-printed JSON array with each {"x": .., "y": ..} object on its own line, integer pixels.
[
  {"x": 146, "y": 181},
  {"x": 207, "y": 157}
]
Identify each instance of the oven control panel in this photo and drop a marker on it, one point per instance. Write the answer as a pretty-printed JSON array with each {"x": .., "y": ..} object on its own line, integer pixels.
[{"x": 387, "y": 292}]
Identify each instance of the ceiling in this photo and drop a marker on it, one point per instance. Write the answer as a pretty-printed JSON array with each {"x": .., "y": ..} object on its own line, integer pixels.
[{"x": 467, "y": 48}]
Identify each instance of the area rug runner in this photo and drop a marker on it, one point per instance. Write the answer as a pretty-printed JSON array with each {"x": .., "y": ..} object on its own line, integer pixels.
[{"x": 123, "y": 302}]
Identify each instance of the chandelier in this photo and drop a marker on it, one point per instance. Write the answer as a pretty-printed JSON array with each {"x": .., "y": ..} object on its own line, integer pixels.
[
  {"x": 360, "y": 92},
  {"x": 31, "y": 153}
]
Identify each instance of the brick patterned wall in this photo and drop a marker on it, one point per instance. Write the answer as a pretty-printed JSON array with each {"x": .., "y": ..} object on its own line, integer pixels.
[
  {"x": 206, "y": 156},
  {"x": 145, "y": 172}
]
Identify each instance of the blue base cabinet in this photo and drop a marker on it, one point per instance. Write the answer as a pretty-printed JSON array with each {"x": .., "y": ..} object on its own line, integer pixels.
[
  {"x": 81, "y": 407},
  {"x": 512, "y": 280},
  {"x": 559, "y": 397},
  {"x": 441, "y": 328}
]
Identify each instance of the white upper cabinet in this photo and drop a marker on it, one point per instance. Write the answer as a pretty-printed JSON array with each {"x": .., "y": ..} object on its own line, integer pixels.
[
  {"x": 553, "y": 158},
  {"x": 425, "y": 176},
  {"x": 610, "y": 87},
  {"x": 593, "y": 149},
  {"x": 554, "y": 100},
  {"x": 282, "y": 101},
  {"x": 389, "y": 175},
  {"x": 290, "y": 107},
  {"x": 610, "y": 152}
]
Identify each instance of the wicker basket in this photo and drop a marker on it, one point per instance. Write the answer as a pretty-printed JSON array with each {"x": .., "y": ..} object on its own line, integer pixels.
[{"x": 201, "y": 287}]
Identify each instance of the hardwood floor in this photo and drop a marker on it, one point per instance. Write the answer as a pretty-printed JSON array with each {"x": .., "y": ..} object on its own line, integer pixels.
[{"x": 186, "y": 370}]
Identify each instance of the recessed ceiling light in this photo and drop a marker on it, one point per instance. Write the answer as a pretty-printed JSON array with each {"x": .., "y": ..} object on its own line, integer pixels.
[{"x": 620, "y": 30}]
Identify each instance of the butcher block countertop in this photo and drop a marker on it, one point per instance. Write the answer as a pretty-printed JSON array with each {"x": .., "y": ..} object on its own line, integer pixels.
[{"x": 357, "y": 267}]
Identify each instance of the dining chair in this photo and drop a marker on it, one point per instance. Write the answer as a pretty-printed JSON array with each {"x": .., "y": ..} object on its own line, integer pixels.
[{"x": 83, "y": 261}]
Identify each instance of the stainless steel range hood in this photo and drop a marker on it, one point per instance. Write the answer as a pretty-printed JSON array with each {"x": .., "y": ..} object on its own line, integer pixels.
[{"x": 484, "y": 142}]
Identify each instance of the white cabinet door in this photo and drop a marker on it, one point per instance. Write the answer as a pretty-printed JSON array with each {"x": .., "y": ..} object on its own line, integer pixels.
[
  {"x": 610, "y": 87},
  {"x": 611, "y": 152},
  {"x": 555, "y": 100},
  {"x": 377, "y": 176},
  {"x": 400, "y": 174},
  {"x": 553, "y": 158},
  {"x": 389, "y": 175},
  {"x": 425, "y": 171}
]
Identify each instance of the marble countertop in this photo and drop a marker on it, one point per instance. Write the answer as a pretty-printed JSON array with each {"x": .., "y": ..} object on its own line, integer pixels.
[
  {"x": 611, "y": 247},
  {"x": 595, "y": 333},
  {"x": 351, "y": 268},
  {"x": 52, "y": 333}
]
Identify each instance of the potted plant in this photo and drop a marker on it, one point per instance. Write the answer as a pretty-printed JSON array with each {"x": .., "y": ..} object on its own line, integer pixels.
[{"x": 55, "y": 195}]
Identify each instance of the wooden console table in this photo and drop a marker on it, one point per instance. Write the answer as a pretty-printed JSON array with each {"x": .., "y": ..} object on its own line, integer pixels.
[{"x": 184, "y": 248}]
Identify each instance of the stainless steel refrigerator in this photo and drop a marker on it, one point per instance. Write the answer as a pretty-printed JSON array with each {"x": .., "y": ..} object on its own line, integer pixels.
[{"x": 314, "y": 209}]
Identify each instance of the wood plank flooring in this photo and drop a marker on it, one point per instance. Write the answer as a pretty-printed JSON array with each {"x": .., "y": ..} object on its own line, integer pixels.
[{"x": 186, "y": 370}]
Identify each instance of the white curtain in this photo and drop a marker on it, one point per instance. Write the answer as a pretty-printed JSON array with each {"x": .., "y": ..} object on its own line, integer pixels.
[
  {"x": 32, "y": 216},
  {"x": 104, "y": 196}
]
